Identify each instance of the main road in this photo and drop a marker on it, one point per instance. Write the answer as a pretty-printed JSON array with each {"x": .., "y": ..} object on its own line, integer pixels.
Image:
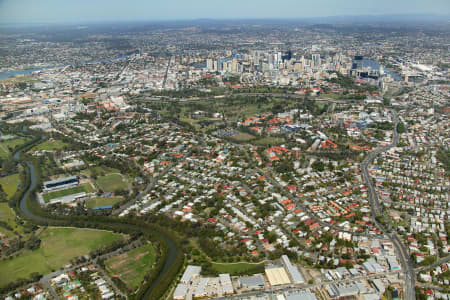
[{"x": 377, "y": 210}]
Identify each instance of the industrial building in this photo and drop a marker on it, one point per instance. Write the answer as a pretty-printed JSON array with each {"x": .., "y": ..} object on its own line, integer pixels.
[
  {"x": 190, "y": 273},
  {"x": 296, "y": 277},
  {"x": 180, "y": 291},
  {"x": 254, "y": 282},
  {"x": 225, "y": 282},
  {"x": 277, "y": 276},
  {"x": 303, "y": 295}
]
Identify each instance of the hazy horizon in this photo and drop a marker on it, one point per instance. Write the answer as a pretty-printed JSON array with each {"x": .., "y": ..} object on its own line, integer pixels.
[{"x": 102, "y": 11}]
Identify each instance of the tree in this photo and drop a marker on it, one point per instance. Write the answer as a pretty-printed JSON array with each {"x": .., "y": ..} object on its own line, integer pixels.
[
  {"x": 318, "y": 166},
  {"x": 401, "y": 128}
]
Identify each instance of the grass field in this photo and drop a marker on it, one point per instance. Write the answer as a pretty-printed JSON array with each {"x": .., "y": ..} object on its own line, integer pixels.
[
  {"x": 87, "y": 188},
  {"x": 132, "y": 266},
  {"x": 243, "y": 137},
  {"x": 9, "y": 184},
  {"x": 100, "y": 201},
  {"x": 268, "y": 141},
  {"x": 111, "y": 182},
  {"x": 50, "y": 145},
  {"x": 7, "y": 215},
  {"x": 239, "y": 268},
  {"x": 4, "y": 151},
  {"x": 99, "y": 170},
  {"x": 58, "y": 247}
]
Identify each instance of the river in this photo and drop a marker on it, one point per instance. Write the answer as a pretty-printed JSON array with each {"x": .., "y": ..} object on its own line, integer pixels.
[{"x": 173, "y": 250}]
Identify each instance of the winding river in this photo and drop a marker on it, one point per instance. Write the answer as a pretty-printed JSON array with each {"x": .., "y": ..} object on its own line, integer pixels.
[{"x": 173, "y": 250}]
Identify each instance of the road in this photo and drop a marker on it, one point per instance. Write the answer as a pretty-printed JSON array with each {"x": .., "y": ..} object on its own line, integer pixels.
[
  {"x": 377, "y": 210},
  {"x": 144, "y": 192},
  {"x": 432, "y": 266},
  {"x": 167, "y": 71},
  {"x": 310, "y": 214}
]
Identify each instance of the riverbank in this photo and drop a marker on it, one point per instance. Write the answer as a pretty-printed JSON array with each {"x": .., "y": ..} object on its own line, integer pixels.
[{"x": 174, "y": 257}]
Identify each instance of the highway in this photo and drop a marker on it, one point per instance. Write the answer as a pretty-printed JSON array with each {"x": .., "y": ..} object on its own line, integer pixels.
[{"x": 377, "y": 210}]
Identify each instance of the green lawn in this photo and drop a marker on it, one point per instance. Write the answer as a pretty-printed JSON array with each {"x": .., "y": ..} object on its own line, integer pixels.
[
  {"x": 100, "y": 201},
  {"x": 132, "y": 266},
  {"x": 7, "y": 215},
  {"x": 87, "y": 188},
  {"x": 58, "y": 247},
  {"x": 272, "y": 141},
  {"x": 50, "y": 145},
  {"x": 239, "y": 268},
  {"x": 111, "y": 182},
  {"x": 9, "y": 184},
  {"x": 4, "y": 150},
  {"x": 243, "y": 137},
  {"x": 99, "y": 170}
]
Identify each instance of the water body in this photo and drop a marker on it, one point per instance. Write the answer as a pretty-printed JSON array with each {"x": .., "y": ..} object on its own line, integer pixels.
[{"x": 5, "y": 75}]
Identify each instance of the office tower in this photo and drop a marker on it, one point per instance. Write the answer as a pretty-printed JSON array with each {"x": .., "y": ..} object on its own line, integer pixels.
[
  {"x": 316, "y": 60},
  {"x": 209, "y": 64}
]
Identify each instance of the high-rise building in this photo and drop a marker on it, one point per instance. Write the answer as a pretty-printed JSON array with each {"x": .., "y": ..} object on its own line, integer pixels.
[
  {"x": 209, "y": 64},
  {"x": 316, "y": 60}
]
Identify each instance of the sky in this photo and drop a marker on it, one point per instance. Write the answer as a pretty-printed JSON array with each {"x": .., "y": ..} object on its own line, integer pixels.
[{"x": 79, "y": 11}]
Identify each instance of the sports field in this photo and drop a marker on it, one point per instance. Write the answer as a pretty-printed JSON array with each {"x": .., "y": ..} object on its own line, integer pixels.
[
  {"x": 50, "y": 145},
  {"x": 58, "y": 247},
  {"x": 4, "y": 146},
  {"x": 101, "y": 201},
  {"x": 9, "y": 184},
  {"x": 132, "y": 266},
  {"x": 111, "y": 183},
  {"x": 87, "y": 188}
]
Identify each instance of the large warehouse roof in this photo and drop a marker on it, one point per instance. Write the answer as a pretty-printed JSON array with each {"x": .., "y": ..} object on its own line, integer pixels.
[{"x": 277, "y": 276}]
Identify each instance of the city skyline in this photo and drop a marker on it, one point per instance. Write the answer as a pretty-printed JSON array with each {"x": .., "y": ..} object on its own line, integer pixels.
[{"x": 51, "y": 11}]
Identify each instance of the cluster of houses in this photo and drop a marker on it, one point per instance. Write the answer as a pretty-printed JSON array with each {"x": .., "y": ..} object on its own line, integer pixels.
[{"x": 69, "y": 287}]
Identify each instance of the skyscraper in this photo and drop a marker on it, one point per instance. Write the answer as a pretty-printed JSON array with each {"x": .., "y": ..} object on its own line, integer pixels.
[{"x": 316, "y": 60}]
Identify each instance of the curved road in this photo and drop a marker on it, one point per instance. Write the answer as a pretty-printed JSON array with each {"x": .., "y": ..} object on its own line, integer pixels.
[
  {"x": 377, "y": 210},
  {"x": 173, "y": 250}
]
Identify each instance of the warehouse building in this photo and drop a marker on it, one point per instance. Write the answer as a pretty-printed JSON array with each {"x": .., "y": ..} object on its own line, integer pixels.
[
  {"x": 296, "y": 277},
  {"x": 277, "y": 276},
  {"x": 303, "y": 295},
  {"x": 180, "y": 292},
  {"x": 190, "y": 273},
  {"x": 252, "y": 282},
  {"x": 225, "y": 282}
]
